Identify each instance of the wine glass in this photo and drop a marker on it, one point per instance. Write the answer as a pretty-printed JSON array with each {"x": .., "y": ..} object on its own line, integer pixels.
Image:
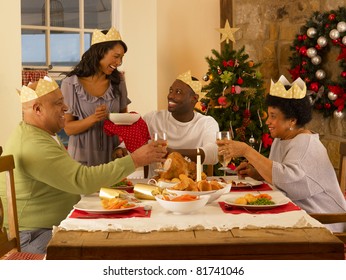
[
  {"x": 160, "y": 135},
  {"x": 223, "y": 135}
]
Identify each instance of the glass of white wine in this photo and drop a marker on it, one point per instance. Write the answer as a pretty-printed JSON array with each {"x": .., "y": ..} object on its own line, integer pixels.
[
  {"x": 223, "y": 135},
  {"x": 160, "y": 135}
]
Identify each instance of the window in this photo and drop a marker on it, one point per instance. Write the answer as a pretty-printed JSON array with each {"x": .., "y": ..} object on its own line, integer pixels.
[{"x": 58, "y": 38}]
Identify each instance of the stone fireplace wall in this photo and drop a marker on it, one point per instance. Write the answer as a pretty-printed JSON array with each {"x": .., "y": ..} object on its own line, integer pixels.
[{"x": 267, "y": 30}]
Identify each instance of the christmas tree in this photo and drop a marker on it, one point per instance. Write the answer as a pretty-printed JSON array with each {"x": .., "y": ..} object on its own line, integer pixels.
[{"x": 235, "y": 95}]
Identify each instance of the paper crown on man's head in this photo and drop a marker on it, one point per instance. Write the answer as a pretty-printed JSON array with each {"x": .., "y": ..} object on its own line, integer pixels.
[
  {"x": 99, "y": 37},
  {"x": 187, "y": 79},
  {"x": 44, "y": 86},
  {"x": 297, "y": 89}
]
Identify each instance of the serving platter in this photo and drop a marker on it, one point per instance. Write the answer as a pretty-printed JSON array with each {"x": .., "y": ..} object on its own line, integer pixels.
[{"x": 95, "y": 207}]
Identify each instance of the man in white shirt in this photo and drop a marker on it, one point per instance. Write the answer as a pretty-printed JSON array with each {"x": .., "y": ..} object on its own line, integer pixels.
[{"x": 185, "y": 128}]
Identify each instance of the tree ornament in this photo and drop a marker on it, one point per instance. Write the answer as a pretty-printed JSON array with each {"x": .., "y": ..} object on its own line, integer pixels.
[
  {"x": 338, "y": 114},
  {"x": 311, "y": 52},
  {"x": 341, "y": 26},
  {"x": 332, "y": 17},
  {"x": 320, "y": 74},
  {"x": 206, "y": 78},
  {"x": 237, "y": 89},
  {"x": 332, "y": 96},
  {"x": 240, "y": 81},
  {"x": 219, "y": 70},
  {"x": 311, "y": 32},
  {"x": 334, "y": 34},
  {"x": 322, "y": 41},
  {"x": 344, "y": 40},
  {"x": 211, "y": 77},
  {"x": 303, "y": 50},
  {"x": 222, "y": 100},
  {"x": 343, "y": 74},
  {"x": 316, "y": 60},
  {"x": 235, "y": 108},
  {"x": 250, "y": 63},
  {"x": 327, "y": 106}
]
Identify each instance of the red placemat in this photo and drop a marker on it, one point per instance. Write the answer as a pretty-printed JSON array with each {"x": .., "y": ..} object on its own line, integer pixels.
[
  {"x": 263, "y": 187},
  {"x": 240, "y": 210},
  {"x": 134, "y": 213}
]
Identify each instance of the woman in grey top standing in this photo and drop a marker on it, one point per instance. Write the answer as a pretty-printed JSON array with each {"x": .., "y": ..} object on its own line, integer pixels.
[
  {"x": 298, "y": 163},
  {"x": 92, "y": 90}
]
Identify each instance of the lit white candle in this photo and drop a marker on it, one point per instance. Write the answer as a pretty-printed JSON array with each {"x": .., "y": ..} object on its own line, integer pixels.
[{"x": 199, "y": 166}]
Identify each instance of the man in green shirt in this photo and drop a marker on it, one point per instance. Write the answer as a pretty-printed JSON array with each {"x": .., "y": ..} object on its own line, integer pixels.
[{"x": 48, "y": 181}]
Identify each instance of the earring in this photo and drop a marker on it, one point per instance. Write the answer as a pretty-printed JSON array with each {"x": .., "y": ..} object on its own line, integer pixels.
[{"x": 291, "y": 128}]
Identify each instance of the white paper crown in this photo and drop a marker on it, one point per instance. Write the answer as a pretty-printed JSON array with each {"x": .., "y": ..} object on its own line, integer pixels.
[
  {"x": 99, "y": 37},
  {"x": 44, "y": 86},
  {"x": 187, "y": 79},
  {"x": 297, "y": 89}
]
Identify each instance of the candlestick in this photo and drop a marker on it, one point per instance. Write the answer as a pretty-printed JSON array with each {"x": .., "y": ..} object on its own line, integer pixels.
[{"x": 199, "y": 166}]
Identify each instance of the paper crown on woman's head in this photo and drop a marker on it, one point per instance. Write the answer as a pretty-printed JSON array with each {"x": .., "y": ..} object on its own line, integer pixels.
[
  {"x": 44, "y": 86},
  {"x": 187, "y": 79},
  {"x": 297, "y": 89},
  {"x": 99, "y": 37}
]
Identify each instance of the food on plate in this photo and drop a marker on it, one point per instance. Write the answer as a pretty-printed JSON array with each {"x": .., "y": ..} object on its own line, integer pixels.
[
  {"x": 176, "y": 165},
  {"x": 124, "y": 182},
  {"x": 239, "y": 184},
  {"x": 250, "y": 199},
  {"x": 187, "y": 184},
  {"x": 116, "y": 203},
  {"x": 185, "y": 197}
]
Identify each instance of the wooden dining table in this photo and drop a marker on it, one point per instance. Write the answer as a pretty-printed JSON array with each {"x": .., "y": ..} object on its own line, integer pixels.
[{"x": 272, "y": 242}]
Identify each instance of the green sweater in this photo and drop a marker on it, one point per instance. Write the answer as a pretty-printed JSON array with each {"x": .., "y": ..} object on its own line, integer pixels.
[{"x": 48, "y": 181}]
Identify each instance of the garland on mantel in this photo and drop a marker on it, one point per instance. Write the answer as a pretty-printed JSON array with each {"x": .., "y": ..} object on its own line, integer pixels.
[{"x": 321, "y": 33}]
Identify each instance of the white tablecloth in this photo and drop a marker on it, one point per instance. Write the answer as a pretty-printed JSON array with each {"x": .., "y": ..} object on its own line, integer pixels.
[{"x": 210, "y": 217}]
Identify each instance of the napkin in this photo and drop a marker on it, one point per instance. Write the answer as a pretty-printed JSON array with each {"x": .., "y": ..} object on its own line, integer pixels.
[
  {"x": 240, "y": 210},
  {"x": 263, "y": 187},
  {"x": 134, "y": 213},
  {"x": 134, "y": 136}
]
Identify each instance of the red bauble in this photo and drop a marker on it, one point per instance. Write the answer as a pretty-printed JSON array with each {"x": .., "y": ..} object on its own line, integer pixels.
[
  {"x": 240, "y": 81},
  {"x": 327, "y": 105},
  {"x": 318, "y": 47},
  {"x": 343, "y": 74},
  {"x": 303, "y": 50},
  {"x": 331, "y": 17},
  {"x": 314, "y": 86},
  {"x": 307, "y": 80},
  {"x": 222, "y": 100},
  {"x": 304, "y": 62},
  {"x": 305, "y": 37},
  {"x": 300, "y": 38}
]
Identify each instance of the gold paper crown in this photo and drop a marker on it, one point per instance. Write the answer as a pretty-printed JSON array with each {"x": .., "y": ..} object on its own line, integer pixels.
[
  {"x": 297, "y": 88},
  {"x": 187, "y": 79},
  {"x": 44, "y": 86},
  {"x": 99, "y": 37}
]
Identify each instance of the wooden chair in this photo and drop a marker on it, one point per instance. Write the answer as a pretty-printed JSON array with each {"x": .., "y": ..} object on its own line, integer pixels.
[
  {"x": 9, "y": 240},
  {"x": 342, "y": 167},
  {"x": 332, "y": 218}
]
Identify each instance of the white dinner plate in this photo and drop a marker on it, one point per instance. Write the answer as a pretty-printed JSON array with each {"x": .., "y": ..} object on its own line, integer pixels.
[
  {"x": 95, "y": 207},
  {"x": 280, "y": 200},
  {"x": 246, "y": 182},
  {"x": 123, "y": 118}
]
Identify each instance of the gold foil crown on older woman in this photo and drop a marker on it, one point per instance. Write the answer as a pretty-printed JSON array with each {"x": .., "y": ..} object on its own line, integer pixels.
[
  {"x": 99, "y": 37},
  {"x": 187, "y": 79},
  {"x": 297, "y": 89},
  {"x": 44, "y": 86}
]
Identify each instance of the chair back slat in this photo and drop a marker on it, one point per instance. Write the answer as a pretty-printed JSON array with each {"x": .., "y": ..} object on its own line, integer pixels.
[{"x": 7, "y": 166}]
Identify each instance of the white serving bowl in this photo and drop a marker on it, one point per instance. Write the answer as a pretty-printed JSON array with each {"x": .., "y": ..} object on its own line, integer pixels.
[
  {"x": 183, "y": 207},
  {"x": 124, "y": 118},
  {"x": 213, "y": 195}
]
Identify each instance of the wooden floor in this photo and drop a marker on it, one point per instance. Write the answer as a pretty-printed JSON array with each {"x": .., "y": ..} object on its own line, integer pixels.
[{"x": 256, "y": 244}]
